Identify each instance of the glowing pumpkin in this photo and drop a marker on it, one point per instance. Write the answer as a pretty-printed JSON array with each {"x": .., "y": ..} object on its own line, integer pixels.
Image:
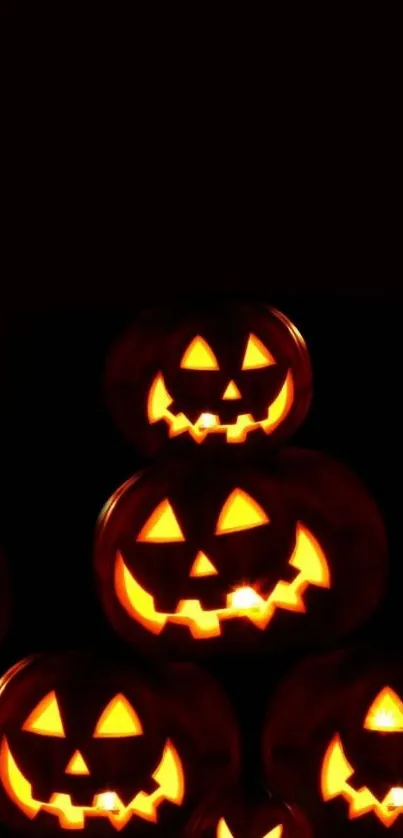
[
  {"x": 352, "y": 776},
  {"x": 237, "y": 815},
  {"x": 5, "y": 597},
  {"x": 104, "y": 747},
  {"x": 230, "y": 374},
  {"x": 197, "y": 555}
]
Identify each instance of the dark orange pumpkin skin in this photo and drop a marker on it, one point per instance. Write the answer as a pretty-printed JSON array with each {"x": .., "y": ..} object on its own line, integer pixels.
[
  {"x": 247, "y": 816},
  {"x": 179, "y": 704},
  {"x": 5, "y": 596},
  {"x": 155, "y": 345},
  {"x": 329, "y": 695},
  {"x": 295, "y": 487}
]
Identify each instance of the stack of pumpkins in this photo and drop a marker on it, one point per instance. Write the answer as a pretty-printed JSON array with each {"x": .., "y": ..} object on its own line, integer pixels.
[{"x": 227, "y": 544}]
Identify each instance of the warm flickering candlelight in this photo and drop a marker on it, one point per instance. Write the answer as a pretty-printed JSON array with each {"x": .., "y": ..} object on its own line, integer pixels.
[{"x": 108, "y": 801}]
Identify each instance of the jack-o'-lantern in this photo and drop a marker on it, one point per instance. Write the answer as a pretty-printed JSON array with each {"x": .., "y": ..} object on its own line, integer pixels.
[
  {"x": 229, "y": 374},
  {"x": 102, "y": 747},
  {"x": 240, "y": 815},
  {"x": 5, "y": 596},
  {"x": 354, "y": 769},
  {"x": 194, "y": 556}
]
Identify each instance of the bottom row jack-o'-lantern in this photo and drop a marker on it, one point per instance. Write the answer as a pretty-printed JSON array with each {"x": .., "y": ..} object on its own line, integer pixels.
[
  {"x": 345, "y": 761},
  {"x": 191, "y": 557},
  {"x": 105, "y": 748},
  {"x": 237, "y": 815}
]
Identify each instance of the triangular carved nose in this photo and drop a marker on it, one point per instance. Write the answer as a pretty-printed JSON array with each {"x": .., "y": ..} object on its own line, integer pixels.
[
  {"x": 232, "y": 391},
  {"x": 202, "y": 566},
  {"x": 77, "y": 765}
]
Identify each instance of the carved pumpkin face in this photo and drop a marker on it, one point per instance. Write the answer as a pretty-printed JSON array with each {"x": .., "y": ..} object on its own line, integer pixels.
[
  {"x": 85, "y": 747},
  {"x": 379, "y": 746},
  {"x": 225, "y": 374},
  {"x": 192, "y": 553},
  {"x": 237, "y": 816},
  {"x": 197, "y": 554},
  {"x": 346, "y": 762}
]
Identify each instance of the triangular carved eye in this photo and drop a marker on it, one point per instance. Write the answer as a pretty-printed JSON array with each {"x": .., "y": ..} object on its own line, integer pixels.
[
  {"x": 274, "y": 833},
  {"x": 199, "y": 356},
  {"x": 162, "y": 525},
  {"x": 46, "y": 719},
  {"x": 118, "y": 719},
  {"x": 256, "y": 355},
  {"x": 223, "y": 831},
  {"x": 385, "y": 713},
  {"x": 240, "y": 512}
]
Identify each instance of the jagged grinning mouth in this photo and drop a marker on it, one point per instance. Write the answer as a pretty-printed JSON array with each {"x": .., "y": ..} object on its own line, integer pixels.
[
  {"x": 336, "y": 771},
  {"x": 168, "y": 775},
  {"x": 308, "y": 557},
  {"x": 159, "y": 400}
]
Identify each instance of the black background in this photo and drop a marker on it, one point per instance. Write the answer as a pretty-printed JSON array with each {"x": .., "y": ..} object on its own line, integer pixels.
[
  {"x": 62, "y": 457},
  {"x": 136, "y": 159}
]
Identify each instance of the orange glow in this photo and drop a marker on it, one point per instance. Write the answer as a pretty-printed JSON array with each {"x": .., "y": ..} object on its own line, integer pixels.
[
  {"x": 277, "y": 832},
  {"x": 308, "y": 557},
  {"x": 231, "y": 392},
  {"x": 46, "y": 719},
  {"x": 224, "y": 832},
  {"x": 240, "y": 512},
  {"x": 207, "y": 420},
  {"x": 199, "y": 356},
  {"x": 118, "y": 719},
  {"x": 168, "y": 775},
  {"x": 385, "y": 713},
  {"x": 336, "y": 771},
  {"x": 246, "y": 598},
  {"x": 256, "y": 355},
  {"x": 77, "y": 765},
  {"x": 202, "y": 566},
  {"x": 162, "y": 525},
  {"x": 109, "y": 801},
  {"x": 159, "y": 400}
]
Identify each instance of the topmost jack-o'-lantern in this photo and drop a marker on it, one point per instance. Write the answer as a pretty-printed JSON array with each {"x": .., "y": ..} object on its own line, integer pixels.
[{"x": 229, "y": 374}]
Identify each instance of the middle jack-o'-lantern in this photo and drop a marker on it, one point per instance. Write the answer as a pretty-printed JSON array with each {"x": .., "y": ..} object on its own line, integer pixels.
[
  {"x": 240, "y": 815},
  {"x": 345, "y": 763},
  {"x": 192, "y": 557},
  {"x": 99, "y": 746}
]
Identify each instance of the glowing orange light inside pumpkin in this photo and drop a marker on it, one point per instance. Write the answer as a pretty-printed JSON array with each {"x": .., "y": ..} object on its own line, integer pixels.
[
  {"x": 224, "y": 832},
  {"x": 336, "y": 771},
  {"x": 168, "y": 777},
  {"x": 386, "y": 713},
  {"x": 46, "y": 720},
  {"x": 240, "y": 512},
  {"x": 231, "y": 392},
  {"x": 202, "y": 566},
  {"x": 77, "y": 765},
  {"x": 246, "y": 598},
  {"x": 308, "y": 557},
  {"x": 162, "y": 525},
  {"x": 207, "y": 420},
  {"x": 256, "y": 355},
  {"x": 199, "y": 356},
  {"x": 108, "y": 801},
  {"x": 118, "y": 719}
]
